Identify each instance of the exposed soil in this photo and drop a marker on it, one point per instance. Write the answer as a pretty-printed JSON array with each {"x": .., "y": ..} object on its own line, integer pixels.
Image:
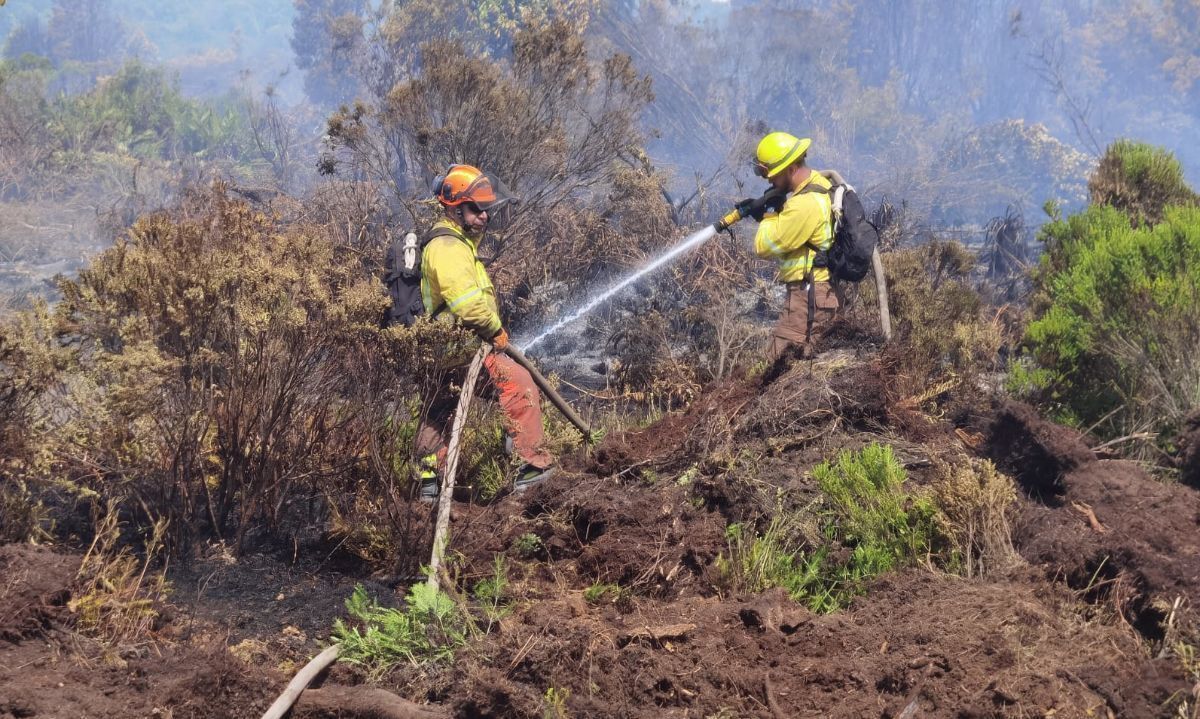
[
  {"x": 1111, "y": 566},
  {"x": 1189, "y": 451},
  {"x": 1106, "y": 527}
]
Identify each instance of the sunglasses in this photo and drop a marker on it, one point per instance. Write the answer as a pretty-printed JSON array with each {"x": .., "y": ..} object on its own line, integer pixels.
[{"x": 759, "y": 168}]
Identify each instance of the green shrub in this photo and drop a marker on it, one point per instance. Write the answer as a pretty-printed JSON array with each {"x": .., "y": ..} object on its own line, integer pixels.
[
  {"x": 554, "y": 703},
  {"x": 868, "y": 525},
  {"x": 1117, "y": 321},
  {"x": 528, "y": 545},
  {"x": 430, "y": 628},
  {"x": 1140, "y": 180},
  {"x": 615, "y": 594},
  {"x": 873, "y": 514},
  {"x": 774, "y": 559},
  {"x": 492, "y": 592}
]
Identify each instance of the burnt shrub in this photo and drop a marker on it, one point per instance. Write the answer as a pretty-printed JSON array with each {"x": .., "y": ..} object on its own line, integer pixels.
[
  {"x": 228, "y": 374},
  {"x": 945, "y": 336}
]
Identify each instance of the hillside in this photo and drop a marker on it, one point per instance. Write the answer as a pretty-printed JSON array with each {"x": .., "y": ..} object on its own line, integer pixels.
[{"x": 1075, "y": 623}]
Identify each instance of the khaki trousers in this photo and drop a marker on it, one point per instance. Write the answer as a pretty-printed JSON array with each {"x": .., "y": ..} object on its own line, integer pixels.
[{"x": 793, "y": 328}]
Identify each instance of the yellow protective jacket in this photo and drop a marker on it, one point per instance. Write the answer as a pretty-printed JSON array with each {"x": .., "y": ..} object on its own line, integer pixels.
[
  {"x": 798, "y": 232},
  {"x": 453, "y": 278}
]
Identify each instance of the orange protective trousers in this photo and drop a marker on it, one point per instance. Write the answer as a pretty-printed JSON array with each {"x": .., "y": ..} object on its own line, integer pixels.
[{"x": 520, "y": 402}]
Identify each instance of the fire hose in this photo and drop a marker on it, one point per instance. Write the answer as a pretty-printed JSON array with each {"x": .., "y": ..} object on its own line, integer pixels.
[{"x": 552, "y": 394}]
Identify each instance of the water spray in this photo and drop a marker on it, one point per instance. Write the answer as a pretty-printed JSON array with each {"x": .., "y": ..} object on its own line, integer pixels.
[{"x": 693, "y": 240}]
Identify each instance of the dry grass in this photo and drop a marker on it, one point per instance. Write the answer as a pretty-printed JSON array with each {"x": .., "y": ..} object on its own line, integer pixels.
[
  {"x": 119, "y": 599},
  {"x": 976, "y": 503},
  {"x": 945, "y": 336},
  {"x": 23, "y": 517}
]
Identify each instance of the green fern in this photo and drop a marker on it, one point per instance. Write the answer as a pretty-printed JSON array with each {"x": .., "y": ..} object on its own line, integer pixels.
[{"x": 430, "y": 629}]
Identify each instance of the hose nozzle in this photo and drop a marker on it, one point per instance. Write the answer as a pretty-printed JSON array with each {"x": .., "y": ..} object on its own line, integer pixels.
[{"x": 725, "y": 222}]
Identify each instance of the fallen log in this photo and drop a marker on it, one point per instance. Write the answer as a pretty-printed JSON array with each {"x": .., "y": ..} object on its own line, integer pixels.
[{"x": 365, "y": 703}]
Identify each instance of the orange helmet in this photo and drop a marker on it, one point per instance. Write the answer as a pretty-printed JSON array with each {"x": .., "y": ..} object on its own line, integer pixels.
[{"x": 464, "y": 183}]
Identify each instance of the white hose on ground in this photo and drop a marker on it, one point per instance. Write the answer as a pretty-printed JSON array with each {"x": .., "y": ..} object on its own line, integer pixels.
[
  {"x": 447, "y": 489},
  {"x": 301, "y": 681}
]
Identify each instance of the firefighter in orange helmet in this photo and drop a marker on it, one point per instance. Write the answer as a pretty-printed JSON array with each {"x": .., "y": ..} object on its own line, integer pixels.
[{"x": 455, "y": 284}]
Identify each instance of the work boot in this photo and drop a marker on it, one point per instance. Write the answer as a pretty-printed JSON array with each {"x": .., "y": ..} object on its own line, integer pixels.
[
  {"x": 427, "y": 475},
  {"x": 529, "y": 475}
]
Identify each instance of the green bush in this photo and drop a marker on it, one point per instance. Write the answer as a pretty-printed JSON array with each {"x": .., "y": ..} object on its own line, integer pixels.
[
  {"x": 141, "y": 111},
  {"x": 885, "y": 526},
  {"x": 492, "y": 593},
  {"x": 1140, "y": 180},
  {"x": 772, "y": 559},
  {"x": 868, "y": 526},
  {"x": 1117, "y": 321},
  {"x": 429, "y": 629}
]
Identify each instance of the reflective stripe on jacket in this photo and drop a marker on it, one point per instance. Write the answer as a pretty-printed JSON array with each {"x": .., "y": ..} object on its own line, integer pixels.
[
  {"x": 453, "y": 278},
  {"x": 796, "y": 234}
]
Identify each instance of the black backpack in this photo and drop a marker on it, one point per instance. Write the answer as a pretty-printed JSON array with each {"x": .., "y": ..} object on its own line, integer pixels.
[
  {"x": 403, "y": 280},
  {"x": 403, "y": 277},
  {"x": 854, "y": 237}
]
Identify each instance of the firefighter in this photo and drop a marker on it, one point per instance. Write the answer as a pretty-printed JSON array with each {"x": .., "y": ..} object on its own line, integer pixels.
[
  {"x": 455, "y": 284},
  {"x": 795, "y": 230}
]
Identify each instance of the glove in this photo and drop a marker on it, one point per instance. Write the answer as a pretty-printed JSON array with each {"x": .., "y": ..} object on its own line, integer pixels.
[
  {"x": 500, "y": 341},
  {"x": 756, "y": 207},
  {"x": 773, "y": 199},
  {"x": 745, "y": 207}
]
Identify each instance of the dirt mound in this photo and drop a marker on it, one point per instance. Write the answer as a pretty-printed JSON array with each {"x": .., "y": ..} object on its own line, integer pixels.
[
  {"x": 34, "y": 590},
  {"x": 65, "y": 675},
  {"x": 918, "y": 645},
  {"x": 1122, "y": 535},
  {"x": 621, "y": 612},
  {"x": 648, "y": 510},
  {"x": 184, "y": 682},
  {"x": 1189, "y": 451},
  {"x": 638, "y": 531},
  {"x": 677, "y": 438},
  {"x": 1107, "y": 527},
  {"x": 1033, "y": 451},
  {"x": 807, "y": 403}
]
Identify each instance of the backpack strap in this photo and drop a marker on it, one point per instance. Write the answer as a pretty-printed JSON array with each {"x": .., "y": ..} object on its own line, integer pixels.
[
  {"x": 836, "y": 193},
  {"x": 820, "y": 258},
  {"x": 436, "y": 232},
  {"x": 812, "y": 305}
]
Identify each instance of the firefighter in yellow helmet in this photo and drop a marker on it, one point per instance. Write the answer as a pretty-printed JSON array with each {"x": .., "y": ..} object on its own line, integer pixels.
[
  {"x": 455, "y": 283},
  {"x": 794, "y": 230}
]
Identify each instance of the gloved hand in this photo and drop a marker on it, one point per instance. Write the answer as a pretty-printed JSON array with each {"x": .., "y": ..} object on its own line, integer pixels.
[
  {"x": 500, "y": 341},
  {"x": 756, "y": 207},
  {"x": 772, "y": 200},
  {"x": 745, "y": 208}
]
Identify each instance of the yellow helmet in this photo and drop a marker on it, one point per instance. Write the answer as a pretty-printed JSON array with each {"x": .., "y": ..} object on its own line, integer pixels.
[{"x": 778, "y": 150}]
